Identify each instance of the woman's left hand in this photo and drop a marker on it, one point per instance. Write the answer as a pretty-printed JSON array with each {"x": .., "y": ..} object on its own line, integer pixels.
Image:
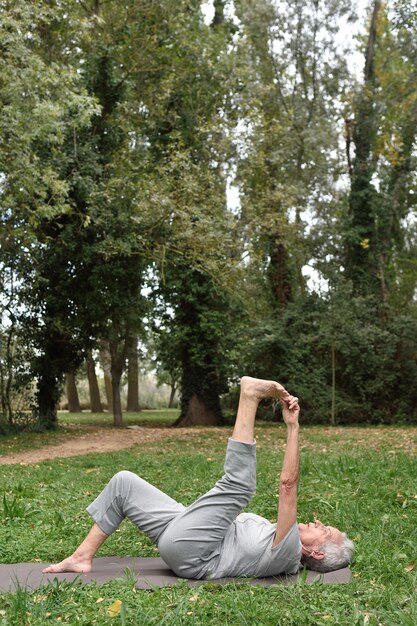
[{"x": 290, "y": 410}]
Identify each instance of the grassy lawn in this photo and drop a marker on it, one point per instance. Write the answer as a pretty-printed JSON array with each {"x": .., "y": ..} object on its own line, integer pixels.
[
  {"x": 74, "y": 424},
  {"x": 148, "y": 417},
  {"x": 361, "y": 480}
]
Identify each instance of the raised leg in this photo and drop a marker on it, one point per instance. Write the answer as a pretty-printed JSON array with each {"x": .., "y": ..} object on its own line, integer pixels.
[
  {"x": 192, "y": 540},
  {"x": 252, "y": 391}
]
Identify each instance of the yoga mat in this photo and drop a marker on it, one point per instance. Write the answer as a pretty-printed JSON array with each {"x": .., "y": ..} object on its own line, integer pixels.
[{"x": 149, "y": 573}]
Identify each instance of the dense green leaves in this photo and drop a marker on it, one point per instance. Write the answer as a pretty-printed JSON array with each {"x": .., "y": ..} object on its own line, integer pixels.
[{"x": 122, "y": 129}]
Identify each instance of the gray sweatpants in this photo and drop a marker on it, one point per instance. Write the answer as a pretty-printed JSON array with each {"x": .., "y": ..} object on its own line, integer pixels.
[{"x": 188, "y": 538}]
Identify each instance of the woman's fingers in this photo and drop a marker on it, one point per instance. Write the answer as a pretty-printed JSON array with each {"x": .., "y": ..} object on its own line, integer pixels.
[{"x": 290, "y": 401}]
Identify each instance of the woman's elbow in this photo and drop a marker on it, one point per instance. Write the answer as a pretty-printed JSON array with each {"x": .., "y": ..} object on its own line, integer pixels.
[{"x": 289, "y": 484}]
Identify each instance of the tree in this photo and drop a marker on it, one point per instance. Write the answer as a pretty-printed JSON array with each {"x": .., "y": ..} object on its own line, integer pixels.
[
  {"x": 88, "y": 249},
  {"x": 383, "y": 132},
  {"x": 133, "y": 377},
  {"x": 190, "y": 150},
  {"x": 289, "y": 108},
  {"x": 164, "y": 358},
  {"x": 74, "y": 405},
  {"x": 95, "y": 401},
  {"x": 105, "y": 366},
  {"x": 41, "y": 103},
  {"x": 197, "y": 339},
  {"x": 120, "y": 128}
]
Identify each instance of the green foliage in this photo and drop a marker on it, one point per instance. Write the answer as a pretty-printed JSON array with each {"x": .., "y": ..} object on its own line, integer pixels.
[
  {"x": 188, "y": 132},
  {"x": 291, "y": 149},
  {"x": 341, "y": 352},
  {"x": 384, "y": 109},
  {"x": 121, "y": 128},
  {"x": 374, "y": 358},
  {"x": 42, "y": 103},
  {"x": 198, "y": 334}
]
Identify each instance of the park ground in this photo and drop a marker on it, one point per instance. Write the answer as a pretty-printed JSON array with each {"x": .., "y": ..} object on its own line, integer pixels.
[{"x": 362, "y": 479}]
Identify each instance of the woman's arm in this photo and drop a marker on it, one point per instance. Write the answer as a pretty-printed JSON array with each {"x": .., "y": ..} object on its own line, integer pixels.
[{"x": 287, "y": 504}]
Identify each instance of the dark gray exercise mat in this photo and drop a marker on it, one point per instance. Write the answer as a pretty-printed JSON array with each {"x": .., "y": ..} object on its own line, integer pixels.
[{"x": 149, "y": 572}]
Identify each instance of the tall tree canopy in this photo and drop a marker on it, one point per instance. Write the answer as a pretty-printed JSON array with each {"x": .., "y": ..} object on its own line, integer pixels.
[{"x": 123, "y": 128}]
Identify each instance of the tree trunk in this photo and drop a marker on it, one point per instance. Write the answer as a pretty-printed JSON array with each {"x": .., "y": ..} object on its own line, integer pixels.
[
  {"x": 118, "y": 354},
  {"x": 6, "y": 373},
  {"x": 117, "y": 402},
  {"x": 95, "y": 401},
  {"x": 47, "y": 398},
  {"x": 172, "y": 395},
  {"x": 133, "y": 377},
  {"x": 200, "y": 400},
  {"x": 333, "y": 413},
  {"x": 105, "y": 362},
  {"x": 199, "y": 413},
  {"x": 362, "y": 262},
  {"x": 72, "y": 393},
  {"x": 200, "y": 382},
  {"x": 279, "y": 272}
]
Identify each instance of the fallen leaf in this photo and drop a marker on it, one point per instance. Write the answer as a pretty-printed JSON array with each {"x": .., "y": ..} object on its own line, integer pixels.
[
  {"x": 410, "y": 567},
  {"x": 115, "y": 608}
]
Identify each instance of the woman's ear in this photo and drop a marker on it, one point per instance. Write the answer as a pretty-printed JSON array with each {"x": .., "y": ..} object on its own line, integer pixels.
[{"x": 317, "y": 554}]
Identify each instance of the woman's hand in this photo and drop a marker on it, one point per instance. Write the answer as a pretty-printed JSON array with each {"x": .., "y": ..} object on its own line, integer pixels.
[{"x": 290, "y": 410}]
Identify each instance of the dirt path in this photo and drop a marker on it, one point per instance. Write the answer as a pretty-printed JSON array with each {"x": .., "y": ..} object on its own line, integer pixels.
[
  {"x": 98, "y": 439},
  {"x": 95, "y": 441}
]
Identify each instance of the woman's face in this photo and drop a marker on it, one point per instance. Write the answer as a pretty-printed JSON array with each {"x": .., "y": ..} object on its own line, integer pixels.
[{"x": 315, "y": 534}]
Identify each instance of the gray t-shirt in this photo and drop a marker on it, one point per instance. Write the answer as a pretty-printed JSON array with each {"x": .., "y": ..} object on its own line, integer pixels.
[{"x": 247, "y": 550}]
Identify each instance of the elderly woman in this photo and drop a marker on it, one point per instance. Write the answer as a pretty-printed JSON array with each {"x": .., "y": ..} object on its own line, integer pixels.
[{"x": 211, "y": 538}]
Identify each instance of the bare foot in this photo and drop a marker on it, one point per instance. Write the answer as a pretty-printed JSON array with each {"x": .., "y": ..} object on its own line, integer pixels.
[
  {"x": 259, "y": 389},
  {"x": 71, "y": 564}
]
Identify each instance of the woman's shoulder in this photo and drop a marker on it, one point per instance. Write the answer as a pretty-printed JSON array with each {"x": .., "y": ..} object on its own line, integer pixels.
[{"x": 254, "y": 518}]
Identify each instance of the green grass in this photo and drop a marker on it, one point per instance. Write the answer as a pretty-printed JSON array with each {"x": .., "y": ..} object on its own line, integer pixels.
[
  {"x": 73, "y": 424},
  {"x": 361, "y": 480},
  {"x": 149, "y": 417},
  {"x": 20, "y": 442}
]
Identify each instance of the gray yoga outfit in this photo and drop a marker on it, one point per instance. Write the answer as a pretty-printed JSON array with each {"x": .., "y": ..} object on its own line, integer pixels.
[{"x": 210, "y": 538}]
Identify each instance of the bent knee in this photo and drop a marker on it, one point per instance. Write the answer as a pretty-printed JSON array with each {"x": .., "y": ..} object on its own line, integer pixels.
[
  {"x": 124, "y": 475},
  {"x": 125, "y": 478},
  {"x": 240, "y": 487}
]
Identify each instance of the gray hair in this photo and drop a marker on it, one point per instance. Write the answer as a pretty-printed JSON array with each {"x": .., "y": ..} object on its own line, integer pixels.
[{"x": 336, "y": 556}]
